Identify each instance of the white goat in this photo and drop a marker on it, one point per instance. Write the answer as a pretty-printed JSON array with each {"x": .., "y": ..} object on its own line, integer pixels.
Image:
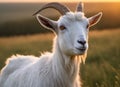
[{"x": 61, "y": 67}]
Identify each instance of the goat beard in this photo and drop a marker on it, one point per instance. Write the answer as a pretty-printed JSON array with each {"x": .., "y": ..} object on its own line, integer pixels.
[{"x": 82, "y": 58}]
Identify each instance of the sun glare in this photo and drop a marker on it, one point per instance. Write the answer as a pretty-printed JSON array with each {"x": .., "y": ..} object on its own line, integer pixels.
[{"x": 60, "y": 1}]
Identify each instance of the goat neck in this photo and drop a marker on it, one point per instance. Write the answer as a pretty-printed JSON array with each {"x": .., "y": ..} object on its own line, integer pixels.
[{"x": 64, "y": 65}]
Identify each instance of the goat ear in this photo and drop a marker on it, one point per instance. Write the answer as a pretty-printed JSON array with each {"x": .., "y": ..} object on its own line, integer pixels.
[
  {"x": 47, "y": 23},
  {"x": 95, "y": 19}
]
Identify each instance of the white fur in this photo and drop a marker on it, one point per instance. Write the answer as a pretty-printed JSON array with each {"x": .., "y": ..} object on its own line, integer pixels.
[
  {"x": 57, "y": 69},
  {"x": 50, "y": 70}
]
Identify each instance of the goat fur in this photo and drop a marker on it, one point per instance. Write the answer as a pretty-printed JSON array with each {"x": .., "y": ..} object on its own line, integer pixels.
[
  {"x": 50, "y": 70},
  {"x": 56, "y": 69}
]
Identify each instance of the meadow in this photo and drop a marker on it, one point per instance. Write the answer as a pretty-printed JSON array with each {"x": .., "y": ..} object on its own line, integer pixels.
[{"x": 102, "y": 67}]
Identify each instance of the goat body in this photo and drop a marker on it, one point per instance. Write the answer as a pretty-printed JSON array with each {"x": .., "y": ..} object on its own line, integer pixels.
[
  {"x": 50, "y": 70},
  {"x": 61, "y": 67}
]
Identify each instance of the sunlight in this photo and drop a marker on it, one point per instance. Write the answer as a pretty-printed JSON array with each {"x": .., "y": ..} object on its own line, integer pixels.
[{"x": 60, "y": 1}]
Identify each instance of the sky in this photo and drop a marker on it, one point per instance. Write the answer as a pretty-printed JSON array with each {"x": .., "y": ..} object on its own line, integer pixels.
[{"x": 59, "y": 1}]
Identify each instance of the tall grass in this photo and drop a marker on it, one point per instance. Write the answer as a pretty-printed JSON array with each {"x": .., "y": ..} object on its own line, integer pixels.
[
  {"x": 26, "y": 45},
  {"x": 102, "y": 68}
]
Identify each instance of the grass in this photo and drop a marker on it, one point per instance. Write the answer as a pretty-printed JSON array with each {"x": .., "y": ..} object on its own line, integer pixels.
[
  {"x": 102, "y": 68},
  {"x": 27, "y": 45}
]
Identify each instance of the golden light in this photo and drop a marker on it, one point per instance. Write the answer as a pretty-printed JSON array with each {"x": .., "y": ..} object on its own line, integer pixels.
[{"x": 60, "y": 1}]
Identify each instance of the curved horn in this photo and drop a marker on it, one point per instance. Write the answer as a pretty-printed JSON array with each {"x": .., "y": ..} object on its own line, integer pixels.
[
  {"x": 80, "y": 7},
  {"x": 61, "y": 8}
]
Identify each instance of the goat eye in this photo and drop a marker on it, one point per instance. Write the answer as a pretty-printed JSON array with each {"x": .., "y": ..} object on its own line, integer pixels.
[{"x": 62, "y": 27}]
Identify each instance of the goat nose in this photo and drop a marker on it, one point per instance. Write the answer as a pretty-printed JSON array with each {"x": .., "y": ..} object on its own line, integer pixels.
[{"x": 81, "y": 42}]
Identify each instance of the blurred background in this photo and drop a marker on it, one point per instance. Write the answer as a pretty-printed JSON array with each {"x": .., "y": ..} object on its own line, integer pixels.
[
  {"x": 17, "y": 19},
  {"x": 20, "y": 33}
]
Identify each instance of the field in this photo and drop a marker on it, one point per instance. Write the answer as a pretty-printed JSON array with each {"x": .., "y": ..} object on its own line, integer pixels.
[{"x": 102, "y": 68}]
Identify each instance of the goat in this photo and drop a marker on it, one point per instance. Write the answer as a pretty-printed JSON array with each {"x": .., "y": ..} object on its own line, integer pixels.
[{"x": 61, "y": 67}]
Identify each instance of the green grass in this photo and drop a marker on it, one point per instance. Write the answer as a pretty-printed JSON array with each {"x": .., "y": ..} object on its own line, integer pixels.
[{"x": 102, "y": 67}]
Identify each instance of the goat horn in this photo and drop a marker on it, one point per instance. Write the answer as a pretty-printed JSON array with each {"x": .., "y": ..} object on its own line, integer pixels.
[
  {"x": 61, "y": 8},
  {"x": 80, "y": 7}
]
